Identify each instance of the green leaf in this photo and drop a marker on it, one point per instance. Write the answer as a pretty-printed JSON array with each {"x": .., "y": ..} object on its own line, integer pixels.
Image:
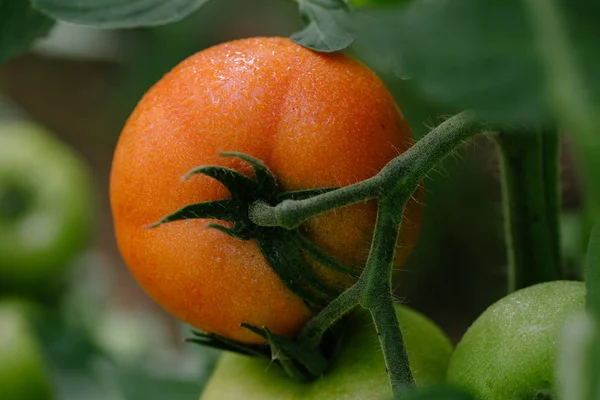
[
  {"x": 481, "y": 55},
  {"x": 118, "y": 13},
  {"x": 592, "y": 274},
  {"x": 327, "y": 23},
  {"x": 20, "y": 25}
]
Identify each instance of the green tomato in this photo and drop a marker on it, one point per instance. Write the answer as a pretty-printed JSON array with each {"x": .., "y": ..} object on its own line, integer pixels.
[
  {"x": 23, "y": 374},
  {"x": 46, "y": 205},
  {"x": 358, "y": 371},
  {"x": 510, "y": 350}
]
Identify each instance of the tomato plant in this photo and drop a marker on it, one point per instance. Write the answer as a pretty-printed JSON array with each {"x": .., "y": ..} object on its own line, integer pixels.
[
  {"x": 46, "y": 206},
  {"x": 289, "y": 107},
  {"x": 510, "y": 350},
  {"x": 357, "y": 372},
  {"x": 301, "y": 184},
  {"x": 23, "y": 372}
]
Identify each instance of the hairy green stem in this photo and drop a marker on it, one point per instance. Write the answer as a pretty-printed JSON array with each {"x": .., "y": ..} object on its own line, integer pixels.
[
  {"x": 392, "y": 188},
  {"x": 313, "y": 331},
  {"x": 377, "y": 295},
  {"x": 530, "y": 192},
  {"x": 408, "y": 169},
  {"x": 290, "y": 214},
  {"x": 568, "y": 92}
]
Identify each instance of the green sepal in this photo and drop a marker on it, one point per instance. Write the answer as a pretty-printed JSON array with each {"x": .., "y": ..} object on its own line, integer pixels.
[
  {"x": 267, "y": 185},
  {"x": 222, "y": 343},
  {"x": 225, "y": 210},
  {"x": 293, "y": 356},
  {"x": 279, "y": 248},
  {"x": 320, "y": 256},
  {"x": 238, "y": 184},
  {"x": 284, "y": 250},
  {"x": 240, "y": 230}
]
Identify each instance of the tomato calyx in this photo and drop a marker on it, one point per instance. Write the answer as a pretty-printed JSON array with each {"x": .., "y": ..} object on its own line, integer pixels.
[
  {"x": 285, "y": 250},
  {"x": 297, "y": 358}
]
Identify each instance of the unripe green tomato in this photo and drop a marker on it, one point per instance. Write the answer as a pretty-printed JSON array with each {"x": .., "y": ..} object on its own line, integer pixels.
[
  {"x": 46, "y": 205},
  {"x": 358, "y": 371},
  {"x": 509, "y": 353},
  {"x": 23, "y": 374}
]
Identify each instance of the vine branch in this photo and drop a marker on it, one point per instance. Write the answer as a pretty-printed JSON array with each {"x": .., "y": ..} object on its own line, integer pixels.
[
  {"x": 567, "y": 90},
  {"x": 529, "y": 166},
  {"x": 393, "y": 188},
  {"x": 406, "y": 170},
  {"x": 377, "y": 293}
]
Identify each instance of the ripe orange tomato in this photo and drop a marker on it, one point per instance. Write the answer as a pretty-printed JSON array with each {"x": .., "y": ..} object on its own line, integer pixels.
[{"x": 316, "y": 120}]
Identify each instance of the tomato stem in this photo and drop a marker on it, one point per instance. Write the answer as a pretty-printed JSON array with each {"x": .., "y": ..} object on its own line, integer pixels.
[
  {"x": 392, "y": 188},
  {"x": 377, "y": 294},
  {"x": 289, "y": 214},
  {"x": 566, "y": 86},
  {"x": 405, "y": 171},
  {"x": 313, "y": 331},
  {"x": 530, "y": 186}
]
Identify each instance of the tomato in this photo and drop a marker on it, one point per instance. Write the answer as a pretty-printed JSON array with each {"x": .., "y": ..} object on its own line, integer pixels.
[
  {"x": 23, "y": 373},
  {"x": 357, "y": 372},
  {"x": 510, "y": 350},
  {"x": 316, "y": 120},
  {"x": 46, "y": 205}
]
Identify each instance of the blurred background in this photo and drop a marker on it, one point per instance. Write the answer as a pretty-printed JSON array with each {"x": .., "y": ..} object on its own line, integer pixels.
[{"x": 103, "y": 337}]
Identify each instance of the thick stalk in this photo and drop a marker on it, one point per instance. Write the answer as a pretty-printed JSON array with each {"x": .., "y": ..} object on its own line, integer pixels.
[
  {"x": 567, "y": 89},
  {"x": 377, "y": 294},
  {"x": 530, "y": 191},
  {"x": 290, "y": 214},
  {"x": 553, "y": 195},
  {"x": 412, "y": 166},
  {"x": 313, "y": 331},
  {"x": 392, "y": 187},
  {"x": 418, "y": 160}
]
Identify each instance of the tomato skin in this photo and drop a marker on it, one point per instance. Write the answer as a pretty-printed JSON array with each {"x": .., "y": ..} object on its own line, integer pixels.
[
  {"x": 23, "y": 372},
  {"x": 357, "y": 372},
  {"x": 47, "y": 208},
  {"x": 510, "y": 350},
  {"x": 316, "y": 120}
]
